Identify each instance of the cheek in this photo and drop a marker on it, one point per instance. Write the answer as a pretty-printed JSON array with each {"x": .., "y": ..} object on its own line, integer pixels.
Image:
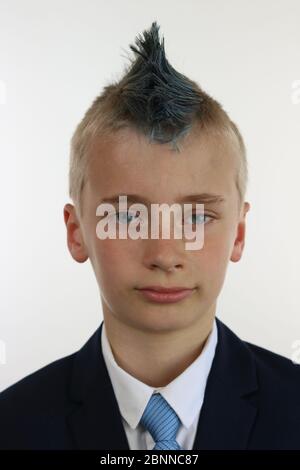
[
  {"x": 113, "y": 262},
  {"x": 213, "y": 258}
]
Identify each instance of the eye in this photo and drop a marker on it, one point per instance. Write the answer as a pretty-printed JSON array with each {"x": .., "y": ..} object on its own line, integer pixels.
[
  {"x": 198, "y": 218},
  {"x": 123, "y": 216}
]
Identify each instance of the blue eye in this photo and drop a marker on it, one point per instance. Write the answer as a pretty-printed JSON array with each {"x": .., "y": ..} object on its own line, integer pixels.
[
  {"x": 199, "y": 217},
  {"x": 124, "y": 219}
]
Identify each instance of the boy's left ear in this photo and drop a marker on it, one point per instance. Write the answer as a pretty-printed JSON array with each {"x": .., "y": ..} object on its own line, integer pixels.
[{"x": 240, "y": 237}]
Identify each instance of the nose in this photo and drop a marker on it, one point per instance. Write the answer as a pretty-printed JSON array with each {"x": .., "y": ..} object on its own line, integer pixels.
[{"x": 164, "y": 254}]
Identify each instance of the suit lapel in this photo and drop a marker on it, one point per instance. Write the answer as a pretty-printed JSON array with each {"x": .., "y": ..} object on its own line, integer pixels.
[
  {"x": 227, "y": 415},
  {"x": 229, "y": 409},
  {"x": 95, "y": 422}
]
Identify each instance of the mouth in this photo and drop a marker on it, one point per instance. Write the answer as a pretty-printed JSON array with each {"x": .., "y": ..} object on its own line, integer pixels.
[{"x": 160, "y": 294}]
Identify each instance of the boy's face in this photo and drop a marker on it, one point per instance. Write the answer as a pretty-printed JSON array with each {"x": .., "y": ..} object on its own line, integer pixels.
[{"x": 128, "y": 164}]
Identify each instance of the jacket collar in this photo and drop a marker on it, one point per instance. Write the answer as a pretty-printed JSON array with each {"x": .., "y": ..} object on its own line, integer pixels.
[
  {"x": 229, "y": 408},
  {"x": 227, "y": 415}
]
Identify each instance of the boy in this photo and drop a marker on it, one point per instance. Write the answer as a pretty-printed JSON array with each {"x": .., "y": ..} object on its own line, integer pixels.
[{"x": 162, "y": 371}]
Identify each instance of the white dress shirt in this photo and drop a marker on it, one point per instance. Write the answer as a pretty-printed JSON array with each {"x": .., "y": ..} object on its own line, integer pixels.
[{"x": 184, "y": 394}]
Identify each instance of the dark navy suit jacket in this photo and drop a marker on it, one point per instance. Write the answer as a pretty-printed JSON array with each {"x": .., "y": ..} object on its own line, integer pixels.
[{"x": 252, "y": 401}]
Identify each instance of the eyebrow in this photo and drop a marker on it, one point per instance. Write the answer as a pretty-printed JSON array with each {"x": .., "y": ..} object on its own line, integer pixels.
[{"x": 198, "y": 198}]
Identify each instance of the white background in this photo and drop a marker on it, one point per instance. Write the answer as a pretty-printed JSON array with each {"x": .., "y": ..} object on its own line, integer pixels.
[{"x": 56, "y": 56}]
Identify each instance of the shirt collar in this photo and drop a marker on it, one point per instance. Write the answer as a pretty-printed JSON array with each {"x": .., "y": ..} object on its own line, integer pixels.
[{"x": 133, "y": 395}]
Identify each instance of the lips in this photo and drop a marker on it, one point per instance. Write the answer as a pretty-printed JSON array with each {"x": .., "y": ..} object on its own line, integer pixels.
[
  {"x": 165, "y": 289},
  {"x": 165, "y": 294}
]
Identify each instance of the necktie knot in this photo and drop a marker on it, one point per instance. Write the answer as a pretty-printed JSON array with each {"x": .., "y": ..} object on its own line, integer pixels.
[{"x": 162, "y": 422}]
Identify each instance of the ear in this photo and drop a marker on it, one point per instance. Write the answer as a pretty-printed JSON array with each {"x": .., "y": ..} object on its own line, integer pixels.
[
  {"x": 240, "y": 235},
  {"x": 75, "y": 240}
]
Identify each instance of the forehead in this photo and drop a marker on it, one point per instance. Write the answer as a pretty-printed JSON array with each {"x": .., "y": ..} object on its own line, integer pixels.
[{"x": 128, "y": 163}]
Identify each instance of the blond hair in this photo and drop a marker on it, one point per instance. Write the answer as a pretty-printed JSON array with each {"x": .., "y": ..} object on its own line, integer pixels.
[{"x": 154, "y": 99}]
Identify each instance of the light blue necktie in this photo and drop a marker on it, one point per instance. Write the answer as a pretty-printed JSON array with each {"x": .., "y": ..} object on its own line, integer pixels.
[{"x": 162, "y": 422}]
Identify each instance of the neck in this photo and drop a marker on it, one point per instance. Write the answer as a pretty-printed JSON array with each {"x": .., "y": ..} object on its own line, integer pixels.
[{"x": 166, "y": 354}]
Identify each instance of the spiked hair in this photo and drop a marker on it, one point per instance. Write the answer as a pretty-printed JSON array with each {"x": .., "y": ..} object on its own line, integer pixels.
[{"x": 155, "y": 100}]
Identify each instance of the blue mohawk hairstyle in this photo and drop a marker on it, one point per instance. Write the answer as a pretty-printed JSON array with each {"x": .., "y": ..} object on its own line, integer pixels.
[
  {"x": 160, "y": 100},
  {"x": 154, "y": 98}
]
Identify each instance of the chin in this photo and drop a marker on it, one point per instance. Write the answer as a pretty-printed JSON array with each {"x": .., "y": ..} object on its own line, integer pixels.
[{"x": 163, "y": 319}]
